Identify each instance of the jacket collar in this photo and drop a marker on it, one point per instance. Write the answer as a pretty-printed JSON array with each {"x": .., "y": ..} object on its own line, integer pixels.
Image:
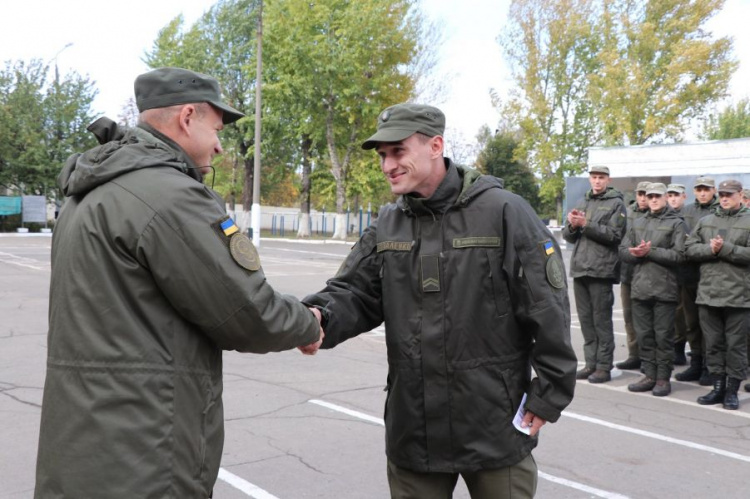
[
  {"x": 443, "y": 197},
  {"x": 192, "y": 170}
]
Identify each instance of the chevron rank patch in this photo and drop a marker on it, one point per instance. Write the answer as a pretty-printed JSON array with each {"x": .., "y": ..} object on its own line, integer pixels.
[
  {"x": 430, "y": 273},
  {"x": 243, "y": 252}
]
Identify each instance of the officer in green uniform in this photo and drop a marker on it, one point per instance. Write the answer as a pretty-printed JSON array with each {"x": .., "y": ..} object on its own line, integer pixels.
[
  {"x": 706, "y": 202},
  {"x": 472, "y": 289},
  {"x": 655, "y": 245},
  {"x": 596, "y": 226},
  {"x": 637, "y": 209},
  {"x": 151, "y": 280},
  {"x": 719, "y": 243},
  {"x": 676, "y": 199}
]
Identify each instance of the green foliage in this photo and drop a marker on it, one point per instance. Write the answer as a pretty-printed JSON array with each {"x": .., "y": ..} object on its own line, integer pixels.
[
  {"x": 498, "y": 158},
  {"x": 43, "y": 120},
  {"x": 607, "y": 72},
  {"x": 733, "y": 122}
]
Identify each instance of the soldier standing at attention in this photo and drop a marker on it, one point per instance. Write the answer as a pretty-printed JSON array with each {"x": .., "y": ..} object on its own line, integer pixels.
[
  {"x": 719, "y": 243},
  {"x": 596, "y": 226},
  {"x": 655, "y": 246},
  {"x": 637, "y": 209},
  {"x": 676, "y": 199},
  {"x": 706, "y": 202}
]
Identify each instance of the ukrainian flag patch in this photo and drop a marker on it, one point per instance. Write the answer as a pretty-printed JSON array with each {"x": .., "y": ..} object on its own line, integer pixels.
[
  {"x": 228, "y": 227},
  {"x": 549, "y": 248}
]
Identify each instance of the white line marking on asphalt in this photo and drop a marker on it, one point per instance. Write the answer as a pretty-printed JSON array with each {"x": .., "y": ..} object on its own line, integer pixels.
[
  {"x": 656, "y": 436},
  {"x": 19, "y": 261},
  {"x": 561, "y": 481},
  {"x": 244, "y": 486},
  {"x": 350, "y": 412},
  {"x": 581, "y": 487}
]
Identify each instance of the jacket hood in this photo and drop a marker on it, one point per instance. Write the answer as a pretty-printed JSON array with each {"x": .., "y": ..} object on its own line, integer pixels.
[
  {"x": 132, "y": 149},
  {"x": 610, "y": 193}
]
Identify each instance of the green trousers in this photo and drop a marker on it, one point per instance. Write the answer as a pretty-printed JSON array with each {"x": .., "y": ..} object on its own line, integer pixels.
[{"x": 512, "y": 482}]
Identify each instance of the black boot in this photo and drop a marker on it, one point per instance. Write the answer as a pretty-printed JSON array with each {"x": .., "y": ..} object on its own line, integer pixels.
[
  {"x": 705, "y": 379},
  {"x": 679, "y": 353},
  {"x": 692, "y": 373},
  {"x": 731, "y": 401},
  {"x": 715, "y": 396},
  {"x": 747, "y": 387}
]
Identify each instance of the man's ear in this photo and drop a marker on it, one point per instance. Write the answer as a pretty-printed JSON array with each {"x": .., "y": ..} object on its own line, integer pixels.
[
  {"x": 436, "y": 146},
  {"x": 186, "y": 116}
]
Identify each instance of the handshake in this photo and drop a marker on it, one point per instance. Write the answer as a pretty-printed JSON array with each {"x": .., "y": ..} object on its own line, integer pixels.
[{"x": 313, "y": 348}]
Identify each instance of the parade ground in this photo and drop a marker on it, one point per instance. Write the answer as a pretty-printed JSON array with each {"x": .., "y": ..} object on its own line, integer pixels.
[{"x": 311, "y": 427}]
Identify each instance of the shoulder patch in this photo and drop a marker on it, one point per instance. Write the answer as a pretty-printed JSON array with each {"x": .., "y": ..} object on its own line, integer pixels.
[
  {"x": 548, "y": 247},
  {"x": 555, "y": 272},
  {"x": 243, "y": 252}
]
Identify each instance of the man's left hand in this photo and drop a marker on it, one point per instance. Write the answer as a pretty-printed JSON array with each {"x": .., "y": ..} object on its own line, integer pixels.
[{"x": 533, "y": 422}]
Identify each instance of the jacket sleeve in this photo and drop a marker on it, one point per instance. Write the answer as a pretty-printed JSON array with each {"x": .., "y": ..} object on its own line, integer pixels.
[
  {"x": 541, "y": 307},
  {"x": 191, "y": 263},
  {"x": 570, "y": 234},
  {"x": 675, "y": 254},
  {"x": 611, "y": 231},
  {"x": 734, "y": 253},
  {"x": 351, "y": 301},
  {"x": 695, "y": 249}
]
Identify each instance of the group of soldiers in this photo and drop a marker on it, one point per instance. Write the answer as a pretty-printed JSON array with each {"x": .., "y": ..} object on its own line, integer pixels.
[{"x": 684, "y": 274}]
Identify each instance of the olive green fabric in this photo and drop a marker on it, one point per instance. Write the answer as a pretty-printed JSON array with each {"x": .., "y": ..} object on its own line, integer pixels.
[
  {"x": 403, "y": 120},
  {"x": 459, "y": 359},
  {"x": 518, "y": 481},
  {"x": 595, "y": 251},
  {"x": 633, "y": 212},
  {"x": 723, "y": 277},
  {"x": 655, "y": 276},
  {"x": 144, "y": 297},
  {"x": 692, "y": 213}
]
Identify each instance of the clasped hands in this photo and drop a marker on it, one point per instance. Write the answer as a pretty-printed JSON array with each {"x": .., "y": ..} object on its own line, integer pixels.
[
  {"x": 716, "y": 244},
  {"x": 641, "y": 250},
  {"x": 313, "y": 348},
  {"x": 577, "y": 218}
]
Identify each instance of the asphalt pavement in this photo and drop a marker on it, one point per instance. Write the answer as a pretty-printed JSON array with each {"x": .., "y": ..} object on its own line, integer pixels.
[{"x": 311, "y": 427}]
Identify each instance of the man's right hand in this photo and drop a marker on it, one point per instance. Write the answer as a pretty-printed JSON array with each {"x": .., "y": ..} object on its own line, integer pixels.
[{"x": 313, "y": 348}]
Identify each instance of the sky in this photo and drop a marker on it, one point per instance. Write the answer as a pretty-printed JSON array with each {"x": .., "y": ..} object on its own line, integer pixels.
[{"x": 107, "y": 40}]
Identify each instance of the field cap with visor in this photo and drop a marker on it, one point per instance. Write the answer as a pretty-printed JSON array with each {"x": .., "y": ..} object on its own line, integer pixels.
[
  {"x": 642, "y": 186},
  {"x": 599, "y": 169},
  {"x": 705, "y": 182},
  {"x": 677, "y": 188},
  {"x": 730, "y": 187},
  {"x": 164, "y": 87},
  {"x": 404, "y": 120},
  {"x": 656, "y": 188}
]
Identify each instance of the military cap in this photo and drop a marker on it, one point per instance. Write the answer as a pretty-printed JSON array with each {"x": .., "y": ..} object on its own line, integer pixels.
[
  {"x": 746, "y": 193},
  {"x": 164, "y": 87},
  {"x": 730, "y": 186},
  {"x": 678, "y": 188},
  {"x": 401, "y": 121},
  {"x": 656, "y": 188},
  {"x": 642, "y": 186},
  {"x": 705, "y": 182},
  {"x": 599, "y": 169}
]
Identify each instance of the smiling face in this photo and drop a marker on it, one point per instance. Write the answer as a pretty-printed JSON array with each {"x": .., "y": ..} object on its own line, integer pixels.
[
  {"x": 203, "y": 143},
  {"x": 413, "y": 165}
]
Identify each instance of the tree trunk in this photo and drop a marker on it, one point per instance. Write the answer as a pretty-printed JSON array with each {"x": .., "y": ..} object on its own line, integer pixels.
[
  {"x": 304, "y": 223},
  {"x": 243, "y": 221}
]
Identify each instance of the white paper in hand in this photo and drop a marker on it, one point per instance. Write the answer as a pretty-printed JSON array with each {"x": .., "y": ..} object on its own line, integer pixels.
[{"x": 519, "y": 417}]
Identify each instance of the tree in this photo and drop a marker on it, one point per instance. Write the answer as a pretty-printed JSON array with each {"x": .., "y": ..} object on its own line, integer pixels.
[
  {"x": 733, "y": 122},
  {"x": 659, "y": 68},
  {"x": 42, "y": 122},
  {"x": 341, "y": 62},
  {"x": 552, "y": 49},
  {"x": 498, "y": 158}
]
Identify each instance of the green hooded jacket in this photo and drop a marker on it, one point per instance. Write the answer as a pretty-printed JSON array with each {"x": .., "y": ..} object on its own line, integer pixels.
[
  {"x": 724, "y": 277},
  {"x": 471, "y": 286},
  {"x": 144, "y": 296},
  {"x": 595, "y": 253}
]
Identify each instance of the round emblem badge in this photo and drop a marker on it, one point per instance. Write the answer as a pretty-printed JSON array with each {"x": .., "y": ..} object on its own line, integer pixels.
[
  {"x": 555, "y": 272},
  {"x": 244, "y": 253},
  {"x": 385, "y": 115}
]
